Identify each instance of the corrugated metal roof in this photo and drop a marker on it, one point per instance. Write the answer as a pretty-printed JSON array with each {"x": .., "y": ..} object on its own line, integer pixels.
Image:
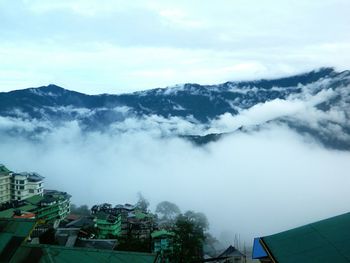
[
  {"x": 4, "y": 170},
  {"x": 57, "y": 254},
  {"x": 160, "y": 233},
  {"x": 34, "y": 199},
  {"x": 12, "y": 234},
  {"x": 324, "y": 241},
  {"x": 17, "y": 227},
  {"x": 9, "y": 212}
]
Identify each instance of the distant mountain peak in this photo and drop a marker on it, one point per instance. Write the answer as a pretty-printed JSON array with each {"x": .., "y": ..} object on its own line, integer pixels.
[
  {"x": 51, "y": 88},
  {"x": 199, "y": 106}
]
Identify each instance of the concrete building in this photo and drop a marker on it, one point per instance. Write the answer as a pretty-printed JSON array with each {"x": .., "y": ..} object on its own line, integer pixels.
[
  {"x": 163, "y": 242},
  {"x": 108, "y": 225},
  {"x": 5, "y": 184},
  {"x": 123, "y": 221},
  {"x": 15, "y": 248},
  {"x": 25, "y": 185},
  {"x": 19, "y": 186},
  {"x": 51, "y": 207}
]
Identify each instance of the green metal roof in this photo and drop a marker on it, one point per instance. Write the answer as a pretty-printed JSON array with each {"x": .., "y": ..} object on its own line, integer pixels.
[
  {"x": 12, "y": 233},
  {"x": 8, "y": 213},
  {"x": 3, "y": 169},
  {"x": 17, "y": 226},
  {"x": 58, "y": 254},
  {"x": 160, "y": 233},
  {"x": 324, "y": 241},
  {"x": 35, "y": 199}
]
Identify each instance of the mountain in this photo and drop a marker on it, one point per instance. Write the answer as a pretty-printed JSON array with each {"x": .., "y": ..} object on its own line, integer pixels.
[{"x": 321, "y": 98}]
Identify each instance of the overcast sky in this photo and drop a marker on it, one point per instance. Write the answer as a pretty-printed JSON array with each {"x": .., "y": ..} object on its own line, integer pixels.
[{"x": 105, "y": 46}]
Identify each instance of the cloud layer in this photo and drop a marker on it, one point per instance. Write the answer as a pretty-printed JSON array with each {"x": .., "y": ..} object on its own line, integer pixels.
[{"x": 251, "y": 184}]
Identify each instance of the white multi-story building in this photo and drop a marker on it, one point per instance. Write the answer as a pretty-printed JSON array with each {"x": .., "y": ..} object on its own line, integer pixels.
[
  {"x": 19, "y": 186},
  {"x": 5, "y": 179}
]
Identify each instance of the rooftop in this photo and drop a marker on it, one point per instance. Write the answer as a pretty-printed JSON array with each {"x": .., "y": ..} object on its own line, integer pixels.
[
  {"x": 8, "y": 213},
  {"x": 57, "y": 194},
  {"x": 160, "y": 233},
  {"x": 35, "y": 199},
  {"x": 12, "y": 234},
  {"x": 230, "y": 252},
  {"x": 323, "y": 241},
  {"x": 4, "y": 170},
  {"x": 57, "y": 254}
]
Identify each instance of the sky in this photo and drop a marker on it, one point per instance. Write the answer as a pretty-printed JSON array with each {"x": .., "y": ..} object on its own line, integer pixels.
[{"x": 105, "y": 46}]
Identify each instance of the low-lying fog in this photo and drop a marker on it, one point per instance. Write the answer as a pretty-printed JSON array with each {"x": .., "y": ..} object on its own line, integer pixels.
[{"x": 251, "y": 184}]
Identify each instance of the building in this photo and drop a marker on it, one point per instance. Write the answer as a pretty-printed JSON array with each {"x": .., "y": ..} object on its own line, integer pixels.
[
  {"x": 123, "y": 221},
  {"x": 25, "y": 185},
  {"x": 12, "y": 233},
  {"x": 108, "y": 225},
  {"x": 141, "y": 224},
  {"x": 22, "y": 195},
  {"x": 163, "y": 242},
  {"x": 59, "y": 254},
  {"x": 232, "y": 255},
  {"x": 15, "y": 247},
  {"x": 19, "y": 186},
  {"x": 51, "y": 207},
  {"x": 5, "y": 184},
  {"x": 323, "y": 241}
]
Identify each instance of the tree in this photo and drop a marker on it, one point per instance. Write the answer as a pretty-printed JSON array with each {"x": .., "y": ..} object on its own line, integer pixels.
[
  {"x": 189, "y": 236},
  {"x": 142, "y": 203},
  {"x": 130, "y": 243},
  {"x": 81, "y": 210},
  {"x": 199, "y": 219},
  {"x": 167, "y": 211}
]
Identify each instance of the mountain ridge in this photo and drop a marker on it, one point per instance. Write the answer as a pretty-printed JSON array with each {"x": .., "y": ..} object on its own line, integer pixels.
[{"x": 324, "y": 91}]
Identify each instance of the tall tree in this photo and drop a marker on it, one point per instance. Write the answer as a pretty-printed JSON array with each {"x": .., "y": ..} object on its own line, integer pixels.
[
  {"x": 167, "y": 211},
  {"x": 189, "y": 237},
  {"x": 80, "y": 210},
  {"x": 142, "y": 203}
]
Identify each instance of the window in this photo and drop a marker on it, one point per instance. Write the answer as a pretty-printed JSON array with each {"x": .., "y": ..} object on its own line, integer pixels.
[
  {"x": 21, "y": 187},
  {"x": 21, "y": 181},
  {"x": 31, "y": 191}
]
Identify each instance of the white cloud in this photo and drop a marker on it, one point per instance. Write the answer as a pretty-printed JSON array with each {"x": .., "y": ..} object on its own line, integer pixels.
[{"x": 252, "y": 184}]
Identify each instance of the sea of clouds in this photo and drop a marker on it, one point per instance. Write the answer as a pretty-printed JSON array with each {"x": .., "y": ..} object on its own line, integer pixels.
[{"x": 252, "y": 182}]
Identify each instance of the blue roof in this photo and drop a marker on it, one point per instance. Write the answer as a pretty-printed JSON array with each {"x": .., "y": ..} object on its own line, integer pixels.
[{"x": 258, "y": 250}]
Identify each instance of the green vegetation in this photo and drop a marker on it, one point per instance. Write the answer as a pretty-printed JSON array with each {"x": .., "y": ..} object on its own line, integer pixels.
[
  {"x": 189, "y": 236},
  {"x": 80, "y": 210}
]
